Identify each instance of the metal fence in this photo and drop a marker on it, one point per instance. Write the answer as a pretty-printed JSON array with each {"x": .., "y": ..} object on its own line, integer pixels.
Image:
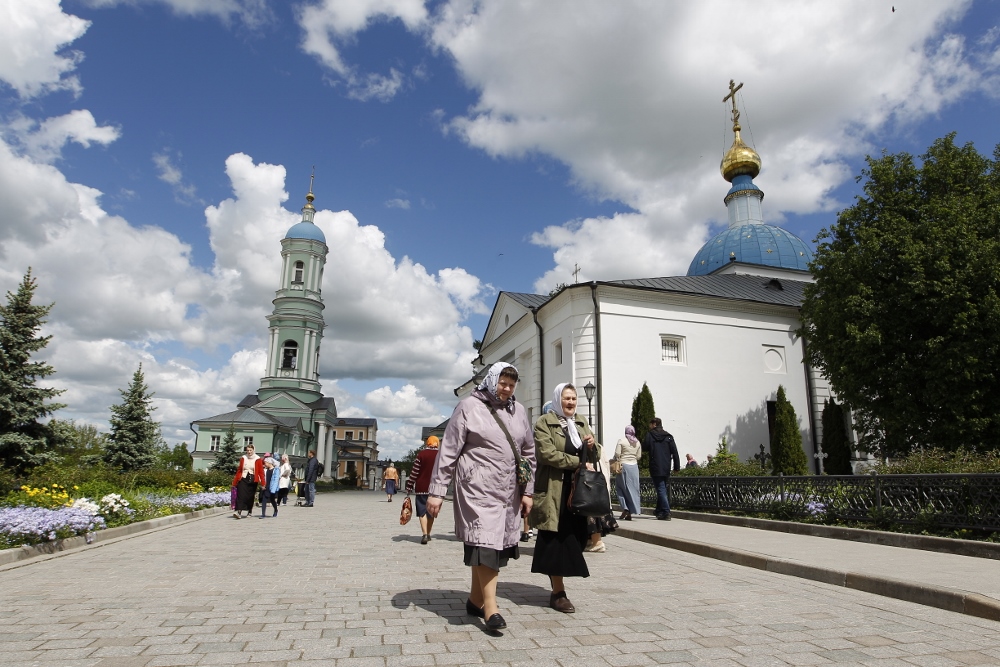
[{"x": 942, "y": 501}]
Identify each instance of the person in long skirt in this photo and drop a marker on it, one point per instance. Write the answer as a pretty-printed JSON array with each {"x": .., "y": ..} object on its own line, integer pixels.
[
  {"x": 391, "y": 479},
  {"x": 478, "y": 453},
  {"x": 249, "y": 474},
  {"x": 561, "y": 439},
  {"x": 627, "y": 452}
]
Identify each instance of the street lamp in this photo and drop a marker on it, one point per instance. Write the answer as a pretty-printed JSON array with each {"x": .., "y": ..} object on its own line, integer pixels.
[{"x": 589, "y": 390}]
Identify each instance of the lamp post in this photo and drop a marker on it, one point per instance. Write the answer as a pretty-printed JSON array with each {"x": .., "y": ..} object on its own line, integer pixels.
[{"x": 589, "y": 390}]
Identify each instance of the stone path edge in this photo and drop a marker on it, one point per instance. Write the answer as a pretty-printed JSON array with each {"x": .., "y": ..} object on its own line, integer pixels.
[
  {"x": 58, "y": 547},
  {"x": 963, "y": 602},
  {"x": 949, "y": 545}
]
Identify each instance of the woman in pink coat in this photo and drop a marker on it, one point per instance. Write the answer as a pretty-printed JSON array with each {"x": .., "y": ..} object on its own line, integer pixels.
[{"x": 489, "y": 503}]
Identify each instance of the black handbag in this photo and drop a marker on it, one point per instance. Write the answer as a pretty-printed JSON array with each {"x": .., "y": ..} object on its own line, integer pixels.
[{"x": 589, "y": 495}]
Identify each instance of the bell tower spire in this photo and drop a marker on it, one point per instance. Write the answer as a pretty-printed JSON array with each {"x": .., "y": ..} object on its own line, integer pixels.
[{"x": 296, "y": 323}]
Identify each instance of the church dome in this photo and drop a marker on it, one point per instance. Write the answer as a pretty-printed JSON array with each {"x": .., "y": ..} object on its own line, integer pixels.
[
  {"x": 764, "y": 245},
  {"x": 740, "y": 159},
  {"x": 306, "y": 230}
]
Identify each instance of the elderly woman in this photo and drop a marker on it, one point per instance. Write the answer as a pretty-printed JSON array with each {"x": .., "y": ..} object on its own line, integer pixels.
[
  {"x": 272, "y": 478},
  {"x": 561, "y": 439},
  {"x": 627, "y": 452},
  {"x": 249, "y": 473},
  {"x": 478, "y": 453}
]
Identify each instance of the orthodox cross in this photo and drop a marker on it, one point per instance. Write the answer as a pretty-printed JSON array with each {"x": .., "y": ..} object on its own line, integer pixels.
[
  {"x": 819, "y": 456},
  {"x": 576, "y": 273},
  {"x": 732, "y": 96}
]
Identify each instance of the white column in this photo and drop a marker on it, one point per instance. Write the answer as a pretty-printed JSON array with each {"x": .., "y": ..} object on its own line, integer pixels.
[
  {"x": 284, "y": 271},
  {"x": 308, "y": 353},
  {"x": 329, "y": 454},
  {"x": 319, "y": 443}
]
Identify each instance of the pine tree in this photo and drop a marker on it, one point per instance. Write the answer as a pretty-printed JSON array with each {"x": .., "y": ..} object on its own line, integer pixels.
[
  {"x": 227, "y": 457},
  {"x": 835, "y": 441},
  {"x": 24, "y": 442},
  {"x": 642, "y": 413},
  {"x": 134, "y": 435},
  {"x": 787, "y": 455}
]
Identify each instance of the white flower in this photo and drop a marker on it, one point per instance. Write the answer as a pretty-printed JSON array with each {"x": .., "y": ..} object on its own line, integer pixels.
[{"x": 87, "y": 505}]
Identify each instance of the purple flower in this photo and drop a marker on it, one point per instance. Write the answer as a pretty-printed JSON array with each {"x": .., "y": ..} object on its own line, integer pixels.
[{"x": 32, "y": 525}]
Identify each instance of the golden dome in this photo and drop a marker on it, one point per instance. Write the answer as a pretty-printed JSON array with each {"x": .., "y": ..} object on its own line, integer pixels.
[{"x": 739, "y": 159}]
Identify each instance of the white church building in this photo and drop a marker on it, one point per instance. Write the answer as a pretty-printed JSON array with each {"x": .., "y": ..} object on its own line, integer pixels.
[{"x": 713, "y": 346}]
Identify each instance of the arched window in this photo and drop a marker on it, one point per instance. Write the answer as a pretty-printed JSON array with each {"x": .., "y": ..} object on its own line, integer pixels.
[
  {"x": 289, "y": 355},
  {"x": 299, "y": 268}
]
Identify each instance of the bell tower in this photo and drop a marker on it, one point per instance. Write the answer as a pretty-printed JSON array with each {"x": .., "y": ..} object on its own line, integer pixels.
[{"x": 296, "y": 324}]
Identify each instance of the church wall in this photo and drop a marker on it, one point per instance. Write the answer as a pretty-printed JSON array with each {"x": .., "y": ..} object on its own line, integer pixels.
[{"x": 722, "y": 383}]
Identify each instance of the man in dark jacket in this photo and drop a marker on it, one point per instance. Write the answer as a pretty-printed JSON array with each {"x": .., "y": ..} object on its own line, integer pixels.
[
  {"x": 312, "y": 472},
  {"x": 662, "y": 449}
]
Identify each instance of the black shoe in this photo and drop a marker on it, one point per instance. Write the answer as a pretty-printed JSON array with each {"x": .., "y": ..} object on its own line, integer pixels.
[
  {"x": 663, "y": 517},
  {"x": 473, "y": 610},
  {"x": 425, "y": 539},
  {"x": 496, "y": 622},
  {"x": 525, "y": 537},
  {"x": 560, "y": 602}
]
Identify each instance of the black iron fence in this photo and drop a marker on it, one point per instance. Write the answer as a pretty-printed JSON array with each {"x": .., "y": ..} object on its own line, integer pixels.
[{"x": 942, "y": 501}]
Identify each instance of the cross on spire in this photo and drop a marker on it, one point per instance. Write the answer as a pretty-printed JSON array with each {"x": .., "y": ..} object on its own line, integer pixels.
[
  {"x": 732, "y": 96},
  {"x": 576, "y": 273}
]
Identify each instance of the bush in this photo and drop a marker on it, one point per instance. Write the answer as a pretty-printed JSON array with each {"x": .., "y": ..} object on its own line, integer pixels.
[{"x": 939, "y": 461}]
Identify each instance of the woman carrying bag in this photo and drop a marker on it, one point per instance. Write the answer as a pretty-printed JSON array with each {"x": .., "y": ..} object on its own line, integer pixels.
[{"x": 564, "y": 445}]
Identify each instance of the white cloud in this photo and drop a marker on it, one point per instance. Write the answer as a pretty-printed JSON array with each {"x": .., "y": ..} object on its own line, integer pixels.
[
  {"x": 251, "y": 13},
  {"x": 628, "y": 95},
  {"x": 406, "y": 404},
  {"x": 171, "y": 174},
  {"x": 44, "y": 141},
  {"x": 466, "y": 290},
  {"x": 330, "y": 25},
  {"x": 32, "y": 40},
  {"x": 398, "y": 203}
]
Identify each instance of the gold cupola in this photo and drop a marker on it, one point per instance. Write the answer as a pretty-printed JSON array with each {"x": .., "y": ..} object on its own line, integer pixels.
[{"x": 740, "y": 159}]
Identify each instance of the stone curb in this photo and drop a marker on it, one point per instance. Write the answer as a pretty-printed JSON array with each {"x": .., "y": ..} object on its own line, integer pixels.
[
  {"x": 946, "y": 545},
  {"x": 16, "y": 554},
  {"x": 949, "y": 599}
]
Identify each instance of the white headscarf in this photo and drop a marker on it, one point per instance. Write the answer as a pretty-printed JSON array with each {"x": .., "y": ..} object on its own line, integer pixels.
[
  {"x": 492, "y": 378},
  {"x": 566, "y": 420}
]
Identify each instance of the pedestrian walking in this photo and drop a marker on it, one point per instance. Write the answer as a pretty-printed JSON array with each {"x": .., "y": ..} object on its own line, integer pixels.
[
  {"x": 691, "y": 462},
  {"x": 312, "y": 474},
  {"x": 662, "y": 449},
  {"x": 628, "y": 452},
  {"x": 487, "y": 433},
  {"x": 390, "y": 479},
  {"x": 272, "y": 480},
  {"x": 419, "y": 481},
  {"x": 561, "y": 438},
  {"x": 285, "y": 479},
  {"x": 249, "y": 474}
]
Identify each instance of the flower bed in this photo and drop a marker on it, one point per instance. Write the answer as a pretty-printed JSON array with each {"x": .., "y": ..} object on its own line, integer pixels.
[{"x": 45, "y": 514}]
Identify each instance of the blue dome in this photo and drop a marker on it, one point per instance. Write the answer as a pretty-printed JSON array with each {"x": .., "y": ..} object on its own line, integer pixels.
[
  {"x": 306, "y": 230},
  {"x": 764, "y": 245}
]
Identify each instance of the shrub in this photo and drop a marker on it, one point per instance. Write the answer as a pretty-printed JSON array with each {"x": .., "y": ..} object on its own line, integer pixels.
[
  {"x": 787, "y": 455},
  {"x": 939, "y": 461}
]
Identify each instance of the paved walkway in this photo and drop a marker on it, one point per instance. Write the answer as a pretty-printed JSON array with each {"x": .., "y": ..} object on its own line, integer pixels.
[{"x": 344, "y": 584}]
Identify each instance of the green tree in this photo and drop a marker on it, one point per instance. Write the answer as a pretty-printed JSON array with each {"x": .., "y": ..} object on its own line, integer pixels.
[
  {"x": 227, "y": 458},
  {"x": 80, "y": 444},
  {"x": 904, "y": 312},
  {"x": 173, "y": 458},
  {"x": 787, "y": 455},
  {"x": 134, "y": 435},
  {"x": 24, "y": 441},
  {"x": 642, "y": 412},
  {"x": 835, "y": 441}
]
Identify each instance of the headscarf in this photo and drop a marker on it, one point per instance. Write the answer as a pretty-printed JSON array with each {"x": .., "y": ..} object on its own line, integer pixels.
[
  {"x": 630, "y": 434},
  {"x": 547, "y": 408},
  {"x": 272, "y": 461},
  {"x": 433, "y": 442},
  {"x": 568, "y": 423},
  {"x": 492, "y": 378}
]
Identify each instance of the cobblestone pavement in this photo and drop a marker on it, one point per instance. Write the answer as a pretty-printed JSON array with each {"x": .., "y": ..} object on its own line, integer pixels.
[{"x": 344, "y": 584}]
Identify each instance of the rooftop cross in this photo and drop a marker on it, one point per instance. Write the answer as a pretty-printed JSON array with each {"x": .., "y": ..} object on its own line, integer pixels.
[
  {"x": 576, "y": 273},
  {"x": 732, "y": 96}
]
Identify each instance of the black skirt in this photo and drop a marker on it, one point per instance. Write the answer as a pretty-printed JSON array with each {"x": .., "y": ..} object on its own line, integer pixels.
[
  {"x": 490, "y": 558},
  {"x": 560, "y": 553},
  {"x": 245, "y": 492}
]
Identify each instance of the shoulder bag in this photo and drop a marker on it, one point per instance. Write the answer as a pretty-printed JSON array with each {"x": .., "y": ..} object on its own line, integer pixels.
[
  {"x": 589, "y": 494},
  {"x": 522, "y": 466}
]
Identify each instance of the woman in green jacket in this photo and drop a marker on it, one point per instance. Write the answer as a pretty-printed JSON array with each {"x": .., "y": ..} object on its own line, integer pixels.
[{"x": 561, "y": 438}]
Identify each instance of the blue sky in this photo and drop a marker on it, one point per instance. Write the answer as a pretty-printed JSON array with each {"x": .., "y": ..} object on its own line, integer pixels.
[{"x": 154, "y": 151}]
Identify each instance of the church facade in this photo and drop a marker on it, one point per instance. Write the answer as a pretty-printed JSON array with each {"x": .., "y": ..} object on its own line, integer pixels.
[
  {"x": 713, "y": 346},
  {"x": 289, "y": 413}
]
